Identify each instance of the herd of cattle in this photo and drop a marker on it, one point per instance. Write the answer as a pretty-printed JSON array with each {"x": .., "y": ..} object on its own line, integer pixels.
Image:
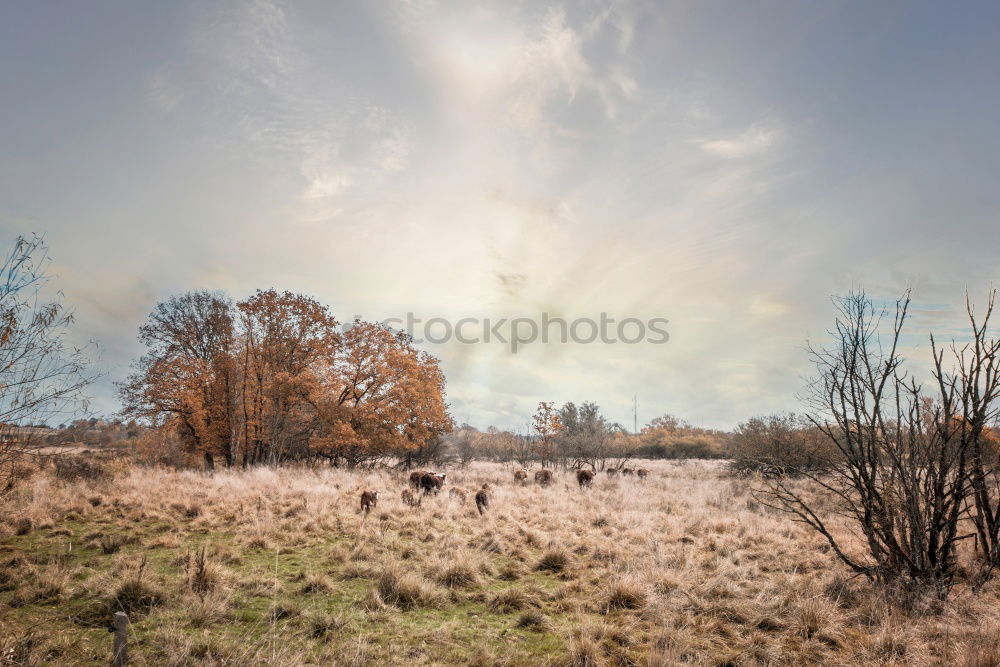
[{"x": 423, "y": 482}]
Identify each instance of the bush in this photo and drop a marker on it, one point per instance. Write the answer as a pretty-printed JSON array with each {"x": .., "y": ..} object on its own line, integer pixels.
[
  {"x": 405, "y": 591},
  {"x": 79, "y": 468},
  {"x": 779, "y": 445},
  {"x": 555, "y": 560}
]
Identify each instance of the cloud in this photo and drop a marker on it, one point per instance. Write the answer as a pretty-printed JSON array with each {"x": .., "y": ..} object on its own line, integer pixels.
[{"x": 755, "y": 140}]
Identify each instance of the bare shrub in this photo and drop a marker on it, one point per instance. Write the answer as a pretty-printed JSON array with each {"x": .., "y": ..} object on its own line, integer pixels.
[
  {"x": 901, "y": 471},
  {"x": 779, "y": 444}
]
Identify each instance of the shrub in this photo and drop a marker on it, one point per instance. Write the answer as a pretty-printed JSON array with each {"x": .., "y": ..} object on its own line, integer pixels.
[
  {"x": 79, "y": 468},
  {"x": 405, "y": 590},
  {"x": 533, "y": 620},
  {"x": 554, "y": 560},
  {"x": 508, "y": 600},
  {"x": 111, "y": 543},
  {"x": 22, "y": 526},
  {"x": 778, "y": 444},
  {"x": 625, "y": 595}
]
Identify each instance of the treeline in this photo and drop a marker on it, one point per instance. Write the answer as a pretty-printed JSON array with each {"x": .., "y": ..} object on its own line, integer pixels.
[
  {"x": 576, "y": 435},
  {"x": 274, "y": 378}
]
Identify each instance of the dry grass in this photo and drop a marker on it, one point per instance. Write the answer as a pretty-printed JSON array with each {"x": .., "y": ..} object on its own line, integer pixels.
[{"x": 280, "y": 567}]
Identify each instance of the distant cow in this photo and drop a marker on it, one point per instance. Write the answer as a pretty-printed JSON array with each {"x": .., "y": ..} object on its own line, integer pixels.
[
  {"x": 369, "y": 499},
  {"x": 611, "y": 472},
  {"x": 409, "y": 499},
  {"x": 483, "y": 499},
  {"x": 642, "y": 473},
  {"x": 543, "y": 477},
  {"x": 460, "y": 494},
  {"x": 415, "y": 478},
  {"x": 585, "y": 478},
  {"x": 432, "y": 482},
  {"x": 627, "y": 471},
  {"x": 521, "y": 476}
]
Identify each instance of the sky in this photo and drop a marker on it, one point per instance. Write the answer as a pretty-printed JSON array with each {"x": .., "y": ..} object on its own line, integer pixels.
[{"x": 725, "y": 166}]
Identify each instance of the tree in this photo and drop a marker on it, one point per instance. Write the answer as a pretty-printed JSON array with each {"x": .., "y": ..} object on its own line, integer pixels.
[
  {"x": 288, "y": 341},
  {"x": 272, "y": 379},
  {"x": 187, "y": 372},
  {"x": 547, "y": 426},
  {"x": 42, "y": 376},
  {"x": 380, "y": 396},
  {"x": 970, "y": 390},
  {"x": 785, "y": 444},
  {"x": 586, "y": 436},
  {"x": 900, "y": 474}
]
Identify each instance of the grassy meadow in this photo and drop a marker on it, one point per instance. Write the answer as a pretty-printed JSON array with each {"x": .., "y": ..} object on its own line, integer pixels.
[{"x": 282, "y": 567}]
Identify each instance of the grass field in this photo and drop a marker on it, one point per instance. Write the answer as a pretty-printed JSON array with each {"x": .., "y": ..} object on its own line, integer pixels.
[{"x": 281, "y": 567}]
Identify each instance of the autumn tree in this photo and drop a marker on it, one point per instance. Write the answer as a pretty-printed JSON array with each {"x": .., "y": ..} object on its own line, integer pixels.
[
  {"x": 186, "y": 374},
  {"x": 272, "y": 379},
  {"x": 287, "y": 341},
  {"x": 380, "y": 395},
  {"x": 547, "y": 425}
]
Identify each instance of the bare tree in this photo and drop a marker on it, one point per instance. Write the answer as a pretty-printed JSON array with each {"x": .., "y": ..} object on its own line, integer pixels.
[
  {"x": 900, "y": 476},
  {"x": 42, "y": 376},
  {"x": 973, "y": 384}
]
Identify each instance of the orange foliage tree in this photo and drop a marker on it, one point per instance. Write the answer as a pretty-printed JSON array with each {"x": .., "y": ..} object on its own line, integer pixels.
[
  {"x": 547, "y": 425},
  {"x": 272, "y": 379}
]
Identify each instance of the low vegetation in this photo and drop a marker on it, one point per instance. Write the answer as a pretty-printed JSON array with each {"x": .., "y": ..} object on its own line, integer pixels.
[{"x": 280, "y": 566}]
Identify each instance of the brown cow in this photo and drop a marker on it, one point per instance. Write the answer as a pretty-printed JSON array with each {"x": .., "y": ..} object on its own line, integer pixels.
[
  {"x": 611, "y": 472},
  {"x": 415, "y": 478},
  {"x": 369, "y": 499},
  {"x": 483, "y": 498},
  {"x": 543, "y": 477},
  {"x": 521, "y": 476},
  {"x": 642, "y": 473},
  {"x": 460, "y": 494},
  {"x": 409, "y": 499},
  {"x": 627, "y": 471},
  {"x": 585, "y": 478},
  {"x": 432, "y": 482}
]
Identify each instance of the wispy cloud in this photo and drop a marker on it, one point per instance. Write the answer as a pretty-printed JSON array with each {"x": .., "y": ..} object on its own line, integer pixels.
[{"x": 755, "y": 140}]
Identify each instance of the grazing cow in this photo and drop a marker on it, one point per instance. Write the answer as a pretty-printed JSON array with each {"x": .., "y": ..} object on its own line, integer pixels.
[
  {"x": 521, "y": 476},
  {"x": 415, "y": 478},
  {"x": 483, "y": 498},
  {"x": 432, "y": 482},
  {"x": 460, "y": 494},
  {"x": 627, "y": 471},
  {"x": 409, "y": 499},
  {"x": 585, "y": 478},
  {"x": 642, "y": 473},
  {"x": 369, "y": 499},
  {"x": 543, "y": 477},
  {"x": 611, "y": 472}
]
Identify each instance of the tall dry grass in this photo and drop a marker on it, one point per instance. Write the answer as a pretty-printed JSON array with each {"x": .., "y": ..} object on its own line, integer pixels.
[{"x": 683, "y": 567}]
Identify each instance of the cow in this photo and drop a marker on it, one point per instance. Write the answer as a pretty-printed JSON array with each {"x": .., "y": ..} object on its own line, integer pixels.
[
  {"x": 457, "y": 493},
  {"x": 543, "y": 477},
  {"x": 521, "y": 476},
  {"x": 369, "y": 499},
  {"x": 483, "y": 498},
  {"x": 627, "y": 471},
  {"x": 415, "y": 478},
  {"x": 585, "y": 478},
  {"x": 409, "y": 499},
  {"x": 432, "y": 482},
  {"x": 611, "y": 472},
  {"x": 642, "y": 473}
]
